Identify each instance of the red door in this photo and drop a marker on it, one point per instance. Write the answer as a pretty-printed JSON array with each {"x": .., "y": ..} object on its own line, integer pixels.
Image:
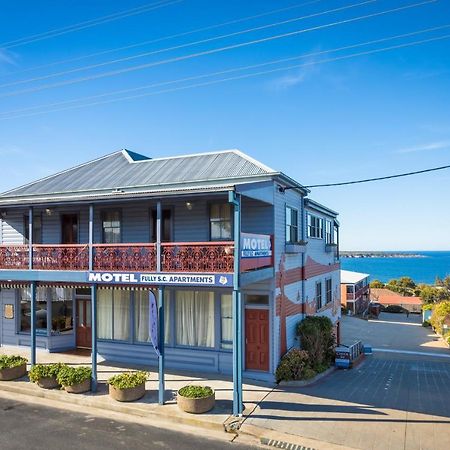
[
  {"x": 84, "y": 337},
  {"x": 257, "y": 339}
]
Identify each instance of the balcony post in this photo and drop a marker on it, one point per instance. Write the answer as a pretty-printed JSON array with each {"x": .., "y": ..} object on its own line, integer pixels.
[
  {"x": 33, "y": 323},
  {"x": 235, "y": 199},
  {"x": 94, "y": 337},
  {"x": 161, "y": 334},
  {"x": 30, "y": 237},
  {"x": 91, "y": 238},
  {"x": 158, "y": 235}
]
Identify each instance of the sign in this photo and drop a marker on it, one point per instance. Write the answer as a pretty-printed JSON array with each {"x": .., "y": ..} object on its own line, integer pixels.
[
  {"x": 166, "y": 279},
  {"x": 153, "y": 321},
  {"x": 255, "y": 245},
  {"x": 8, "y": 311}
]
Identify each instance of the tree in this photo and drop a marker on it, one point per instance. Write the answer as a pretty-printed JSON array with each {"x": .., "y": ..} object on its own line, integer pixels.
[
  {"x": 377, "y": 284},
  {"x": 440, "y": 312},
  {"x": 430, "y": 294}
]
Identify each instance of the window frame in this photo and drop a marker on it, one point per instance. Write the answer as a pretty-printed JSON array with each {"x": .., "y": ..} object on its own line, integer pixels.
[
  {"x": 220, "y": 221},
  {"x": 328, "y": 290},
  {"x": 290, "y": 210},
  {"x": 315, "y": 226},
  {"x": 319, "y": 295},
  {"x": 102, "y": 220},
  {"x": 329, "y": 238},
  {"x": 130, "y": 320}
]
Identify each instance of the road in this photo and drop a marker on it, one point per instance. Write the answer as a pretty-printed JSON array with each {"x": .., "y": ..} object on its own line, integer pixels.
[{"x": 31, "y": 426}]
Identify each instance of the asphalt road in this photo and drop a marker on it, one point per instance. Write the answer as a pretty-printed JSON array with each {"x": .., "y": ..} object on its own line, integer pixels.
[{"x": 28, "y": 426}]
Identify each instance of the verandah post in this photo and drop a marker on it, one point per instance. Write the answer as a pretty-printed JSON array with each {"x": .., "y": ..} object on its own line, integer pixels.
[
  {"x": 33, "y": 323},
  {"x": 94, "y": 337},
  {"x": 91, "y": 237},
  {"x": 161, "y": 333},
  {"x": 235, "y": 199},
  {"x": 30, "y": 237}
]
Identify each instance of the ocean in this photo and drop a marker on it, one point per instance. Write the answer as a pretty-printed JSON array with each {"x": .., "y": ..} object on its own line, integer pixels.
[{"x": 423, "y": 269}]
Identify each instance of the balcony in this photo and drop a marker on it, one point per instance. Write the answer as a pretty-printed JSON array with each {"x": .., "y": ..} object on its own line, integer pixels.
[{"x": 209, "y": 257}]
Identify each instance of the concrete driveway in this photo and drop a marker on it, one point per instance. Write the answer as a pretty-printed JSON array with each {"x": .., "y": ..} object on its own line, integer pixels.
[
  {"x": 390, "y": 401},
  {"x": 394, "y": 332}
]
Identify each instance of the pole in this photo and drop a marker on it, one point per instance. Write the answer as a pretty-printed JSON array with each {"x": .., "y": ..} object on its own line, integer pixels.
[
  {"x": 30, "y": 237},
  {"x": 91, "y": 237},
  {"x": 94, "y": 337},
  {"x": 33, "y": 323},
  {"x": 161, "y": 334},
  {"x": 237, "y": 308}
]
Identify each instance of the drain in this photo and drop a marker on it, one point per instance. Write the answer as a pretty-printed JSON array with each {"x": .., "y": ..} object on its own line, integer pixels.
[{"x": 285, "y": 445}]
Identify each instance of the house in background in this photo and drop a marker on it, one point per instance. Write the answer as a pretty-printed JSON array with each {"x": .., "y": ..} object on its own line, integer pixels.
[
  {"x": 355, "y": 291},
  {"x": 234, "y": 252},
  {"x": 386, "y": 297}
]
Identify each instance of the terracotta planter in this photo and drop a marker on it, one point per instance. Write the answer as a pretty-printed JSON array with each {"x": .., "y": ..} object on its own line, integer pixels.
[
  {"x": 48, "y": 383},
  {"x": 127, "y": 395},
  {"x": 13, "y": 373},
  {"x": 79, "y": 388},
  {"x": 196, "y": 405}
]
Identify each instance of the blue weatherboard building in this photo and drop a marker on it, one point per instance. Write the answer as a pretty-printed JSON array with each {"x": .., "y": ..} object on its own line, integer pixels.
[{"x": 235, "y": 253}]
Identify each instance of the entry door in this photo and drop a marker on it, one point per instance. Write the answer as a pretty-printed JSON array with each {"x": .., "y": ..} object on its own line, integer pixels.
[
  {"x": 84, "y": 337},
  {"x": 257, "y": 339},
  {"x": 69, "y": 229}
]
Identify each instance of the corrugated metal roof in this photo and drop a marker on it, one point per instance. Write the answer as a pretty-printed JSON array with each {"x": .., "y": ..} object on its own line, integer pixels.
[{"x": 124, "y": 169}]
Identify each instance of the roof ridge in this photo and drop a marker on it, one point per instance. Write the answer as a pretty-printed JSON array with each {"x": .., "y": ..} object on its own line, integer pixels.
[{"x": 62, "y": 172}]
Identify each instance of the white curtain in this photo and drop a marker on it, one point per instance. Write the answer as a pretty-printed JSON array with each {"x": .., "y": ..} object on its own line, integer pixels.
[
  {"x": 141, "y": 308},
  {"x": 226, "y": 307},
  {"x": 105, "y": 302},
  {"x": 195, "y": 318},
  {"x": 121, "y": 314}
]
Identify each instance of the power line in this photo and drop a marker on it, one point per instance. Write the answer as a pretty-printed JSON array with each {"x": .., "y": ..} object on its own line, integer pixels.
[
  {"x": 87, "y": 24},
  {"x": 247, "y": 67},
  {"x": 188, "y": 44},
  {"x": 369, "y": 180},
  {"x": 213, "y": 51},
  {"x": 239, "y": 77},
  {"x": 164, "y": 38}
]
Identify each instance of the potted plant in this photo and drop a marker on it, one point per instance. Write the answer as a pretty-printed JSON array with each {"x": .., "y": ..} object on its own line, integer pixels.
[
  {"x": 128, "y": 386},
  {"x": 196, "y": 399},
  {"x": 75, "y": 380},
  {"x": 12, "y": 367},
  {"x": 44, "y": 375}
]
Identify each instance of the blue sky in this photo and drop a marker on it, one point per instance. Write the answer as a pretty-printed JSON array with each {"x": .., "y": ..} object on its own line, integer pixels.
[{"x": 355, "y": 117}]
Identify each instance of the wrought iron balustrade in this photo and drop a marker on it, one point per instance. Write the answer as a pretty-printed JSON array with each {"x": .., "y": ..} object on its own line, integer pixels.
[{"x": 125, "y": 257}]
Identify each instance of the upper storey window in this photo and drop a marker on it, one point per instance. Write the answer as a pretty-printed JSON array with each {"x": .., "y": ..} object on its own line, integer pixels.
[
  {"x": 220, "y": 222},
  {"x": 291, "y": 225},
  {"x": 315, "y": 227},
  {"x": 111, "y": 227}
]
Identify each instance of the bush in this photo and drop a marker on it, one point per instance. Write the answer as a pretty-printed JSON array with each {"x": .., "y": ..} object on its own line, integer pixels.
[
  {"x": 68, "y": 376},
  {"x": 440, "y": 312},
  {"x": 128, "y": 380},
  {"x": 427, "y": 307},
  {"x": 294, "y": 366},
  {"x": 39, "y": 371},
  {"x": 196, "y": 391},
  {"x": 8, "y": 362},
  {"x": 377, "y": 284},
  {"x": 426, "y": 323},
  {"x": 317, "y": 338}
]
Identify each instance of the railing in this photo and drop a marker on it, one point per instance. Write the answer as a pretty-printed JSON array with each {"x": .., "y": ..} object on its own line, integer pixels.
[
  {"x": 125, "y": 257},
  {"x": 175, "y": 257},
  {"x": 197, "y": 257},
  {"x": 61, "y": 257}
]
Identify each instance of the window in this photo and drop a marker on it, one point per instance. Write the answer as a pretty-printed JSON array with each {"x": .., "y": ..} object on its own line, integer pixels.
[
  {"x": 291, "y": 225},
  {"x": 37, "y": 229},
  {"x": 350, "y": 289},
  {"x": 328, "y": 232},
  {"x": 256, "y": 299},
  {"x": 318, "y": 295},
  {"x": 111, "y": 233},
  {"x": 194, "y": 317},
  {"x": 62, "y": 310},
  {"x": 328, "y": 290},
  {"x": 220, "y": 222},
  {"x": 166, "y": 225},
  {"x": 142, "y": 315},
  {"x": 25, "y": 310},
  {"x": 226, "y": 318},
  {"x": 315, "y": 227},
  {"x": 114, "y": 314}
]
